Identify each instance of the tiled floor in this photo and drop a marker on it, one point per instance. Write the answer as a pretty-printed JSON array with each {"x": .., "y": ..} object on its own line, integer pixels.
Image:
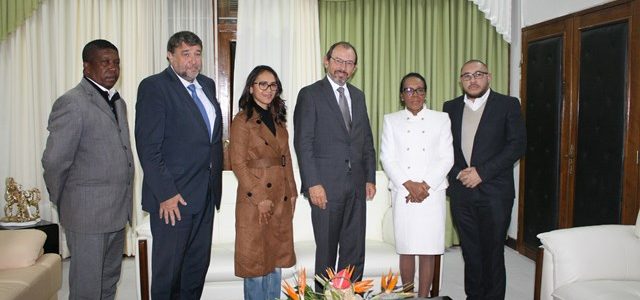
[{"x": 520, "y": 277}]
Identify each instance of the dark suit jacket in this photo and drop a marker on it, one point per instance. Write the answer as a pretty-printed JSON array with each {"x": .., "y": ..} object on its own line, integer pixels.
[
  {"x": 173, "y": 144},
  {"x": 499, "y": 142},
  {"x": 88, "y": 164},
  {"x": 324, "y": 147}
]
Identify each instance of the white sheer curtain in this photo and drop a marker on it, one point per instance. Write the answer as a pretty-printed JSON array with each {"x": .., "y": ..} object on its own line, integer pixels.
[
  {"x": 283, "y": 34},
  {"x": 42, "y": 60},
  {"x": 498, "y": 12}
]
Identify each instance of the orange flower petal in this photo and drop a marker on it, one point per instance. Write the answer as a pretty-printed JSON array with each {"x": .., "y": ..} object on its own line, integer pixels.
[
  {"x": 289, "y": 291},
  {"x": 392, "y": 283},
  {"x": 330, "y": 273},
  {"x": 383, "y": 282},
  {"x": 363, "y": 286},
  {"x": 302, "y": 281}
]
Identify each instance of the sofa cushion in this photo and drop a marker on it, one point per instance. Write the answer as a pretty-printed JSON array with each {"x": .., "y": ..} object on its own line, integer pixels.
[
  {"x": 42, "y": 280},
  {"x": 20, "y": 248},
  {"x": 379, "y": 258},
  {"x": 602, "y": 252},
  {"x": 221, "y": 267},
  {"x": 599, "y": 289}
]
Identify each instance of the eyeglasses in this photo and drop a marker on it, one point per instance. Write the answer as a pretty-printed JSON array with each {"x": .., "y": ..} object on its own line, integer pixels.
[
  {"x": 411, "y": 91},
  {"x": 476, "y": 75},
  {"x": 347, "y": 63},
  {"x": 263, "y": 85}
]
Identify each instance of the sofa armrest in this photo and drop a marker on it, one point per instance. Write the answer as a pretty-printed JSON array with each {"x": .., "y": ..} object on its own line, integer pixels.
[
  {"x": 544, "y": 275},
  {"x": 143, "y": 245},
  {"x": 592, "y": 253}
]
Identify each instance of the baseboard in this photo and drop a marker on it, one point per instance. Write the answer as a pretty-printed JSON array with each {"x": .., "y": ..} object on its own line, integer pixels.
[{"x": 511, "y": 243}]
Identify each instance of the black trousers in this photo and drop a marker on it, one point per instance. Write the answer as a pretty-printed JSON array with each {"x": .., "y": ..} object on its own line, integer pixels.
[
  {"x": 181, "y": 254},
  {"x": 482, "y": 224},
  {"x": 339, "y": 230}
]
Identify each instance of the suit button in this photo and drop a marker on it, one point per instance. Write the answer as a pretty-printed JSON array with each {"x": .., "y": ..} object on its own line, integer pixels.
[
  {"x": 408, "y": 131},
  {"x": 409, "y": 167},
  {"x": 249, "y": 194},
  {"x": 258, "y": 121},
  {"x": 407, "y": 149},
  {"x": 285, "y": 198},
  {"x": 124, "y": 147},
  {"x": 269, "y": 185},
  {"x": 423, "y": 131},
  {"x": 129, "y": 165}
]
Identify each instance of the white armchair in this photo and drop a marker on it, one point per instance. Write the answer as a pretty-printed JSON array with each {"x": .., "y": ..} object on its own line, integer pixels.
[{"x": 592, "y": 262}]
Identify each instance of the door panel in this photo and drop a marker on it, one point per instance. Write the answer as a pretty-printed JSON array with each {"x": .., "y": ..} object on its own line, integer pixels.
[
  {"x": 543, "y": 108},
  {"x": 601, "y": 125}
]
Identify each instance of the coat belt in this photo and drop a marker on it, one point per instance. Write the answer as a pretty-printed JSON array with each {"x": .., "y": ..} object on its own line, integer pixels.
[{"x": 267, "y": 162}]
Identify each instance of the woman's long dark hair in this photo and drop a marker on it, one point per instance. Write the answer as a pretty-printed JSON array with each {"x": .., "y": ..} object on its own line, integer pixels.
[{"x": 247, "y": 103}]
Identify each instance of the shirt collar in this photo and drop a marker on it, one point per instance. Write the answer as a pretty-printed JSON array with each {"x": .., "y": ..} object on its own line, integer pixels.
[
  {"x": 111, "y": 92},
  {"x": 185, "y": 82},
  {"x": 335, "y": 86},
  {"x": 420, "y": 114},
  {"x": 478, "y": 102}
]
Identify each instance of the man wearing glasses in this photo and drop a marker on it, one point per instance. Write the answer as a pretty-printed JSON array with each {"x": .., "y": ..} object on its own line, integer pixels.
[
  {"x": 488, "y": 138},
  {"x": 334, "y": 145}
]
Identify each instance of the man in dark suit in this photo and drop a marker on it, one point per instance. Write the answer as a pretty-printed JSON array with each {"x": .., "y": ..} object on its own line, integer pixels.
[
  {"x": 334, "y": 145},
  {"x": 488, "y": 138},
  {"x": 88, "y": 170},
  {"x": 179, "y": 139}
]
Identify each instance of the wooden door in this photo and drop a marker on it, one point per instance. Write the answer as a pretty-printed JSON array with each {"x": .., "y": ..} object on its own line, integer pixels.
[
  {"x": 543, "y": 87},
  {"x": 579, "y": 94}
]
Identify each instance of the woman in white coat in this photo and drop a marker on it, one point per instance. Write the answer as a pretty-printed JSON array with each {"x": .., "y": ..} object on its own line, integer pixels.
[{"x": 416, "y": 154}]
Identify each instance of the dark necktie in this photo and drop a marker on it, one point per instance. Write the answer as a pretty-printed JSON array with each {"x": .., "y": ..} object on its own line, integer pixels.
[
  {"x": 112, "y": 101},
  {"x": 344, "y": 108},
  {"x": 194, "y": 95}
]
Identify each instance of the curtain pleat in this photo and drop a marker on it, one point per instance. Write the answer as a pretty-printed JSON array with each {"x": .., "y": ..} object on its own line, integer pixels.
[
  {"x": 395, "y": 37},
  {"x": 42, "y": 60},
  {"x": 13, "y": 13}
]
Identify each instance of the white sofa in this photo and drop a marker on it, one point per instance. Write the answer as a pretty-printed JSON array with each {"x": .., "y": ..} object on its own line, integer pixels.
[
  {"x": 220, "y": 281},
  {"x": 592, "y": 262}
]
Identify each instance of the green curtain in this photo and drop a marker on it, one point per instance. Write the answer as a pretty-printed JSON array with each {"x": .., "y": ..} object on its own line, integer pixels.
[
  {"x": 13, "y": 13},
  {"x": 395, "y": 37}
]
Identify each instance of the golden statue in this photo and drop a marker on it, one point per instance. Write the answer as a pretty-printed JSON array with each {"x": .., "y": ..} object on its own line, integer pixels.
[{"x": 22, "y": 206}]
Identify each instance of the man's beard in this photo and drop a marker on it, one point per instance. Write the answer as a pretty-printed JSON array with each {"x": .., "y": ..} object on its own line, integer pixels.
[{"x": 477, "y": 95}]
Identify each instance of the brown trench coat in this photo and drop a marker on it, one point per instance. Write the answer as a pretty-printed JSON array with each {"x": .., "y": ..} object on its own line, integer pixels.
[{"x": 257, "y": 158}]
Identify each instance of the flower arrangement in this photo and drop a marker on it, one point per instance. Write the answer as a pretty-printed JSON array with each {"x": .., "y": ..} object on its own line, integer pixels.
[{"x": 338, "y": 286}]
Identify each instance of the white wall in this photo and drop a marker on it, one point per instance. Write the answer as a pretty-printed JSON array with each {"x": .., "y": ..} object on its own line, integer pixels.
[
  {"x": 527, "y": 13},
  {"x": 537, "y": 11}
]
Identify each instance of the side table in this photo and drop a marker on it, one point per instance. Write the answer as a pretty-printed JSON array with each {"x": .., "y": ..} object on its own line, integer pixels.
[{"x": 52, "y": 243}]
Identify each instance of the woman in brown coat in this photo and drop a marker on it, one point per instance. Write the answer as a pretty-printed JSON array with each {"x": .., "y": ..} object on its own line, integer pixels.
[{"x": 266, "y": 198}]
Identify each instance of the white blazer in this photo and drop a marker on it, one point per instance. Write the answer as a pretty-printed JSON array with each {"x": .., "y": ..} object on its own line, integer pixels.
[{"x": 417, "y": 148}]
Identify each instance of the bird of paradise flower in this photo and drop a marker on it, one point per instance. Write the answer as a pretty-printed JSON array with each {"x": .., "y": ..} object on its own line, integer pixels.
[{"x": 338, "y": 286}]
